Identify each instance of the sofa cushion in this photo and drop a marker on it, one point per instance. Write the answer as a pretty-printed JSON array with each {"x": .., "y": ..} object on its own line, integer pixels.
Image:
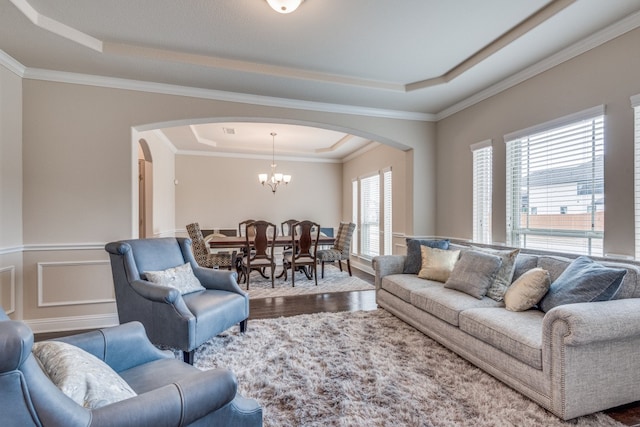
[
  {"x": 518, "y": 334},
  {"x": 504, "y": 275},
  {"x": 528, "y": 290},
  {"x": 413, "y": 262},
  {"x": 555, "y": 265},
  {"x": 524, "y": 263},
  {"x": 437, "y": 264},
  {"x": 81, "y": 376},
  {"x": 583, "y": 281},
  {"x": 180, "y": 278},
  {"x": 474, "y": 273},
  {"x": 401, "y": 285},
  {"x": 447, "y": 304}
]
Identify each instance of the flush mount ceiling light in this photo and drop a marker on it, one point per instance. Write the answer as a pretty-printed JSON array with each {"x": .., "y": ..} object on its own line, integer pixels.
[{"x": 284, "y": 6}]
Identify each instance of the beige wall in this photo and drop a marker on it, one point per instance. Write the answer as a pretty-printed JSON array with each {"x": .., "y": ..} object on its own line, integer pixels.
[
  {"x": 79, "y": 185},
  {"x": 606, "y": 75},
  {"x": 10, "y": 192},
  {"x": 219, "y": 192}
]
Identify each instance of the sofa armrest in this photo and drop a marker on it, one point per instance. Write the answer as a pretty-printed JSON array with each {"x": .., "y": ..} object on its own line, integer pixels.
[
  {"x": 218, "y": 279},
  {"x": 180, "y": 403},
  {"x": 386, "y": 265},
  {"x": 121, "y": 347},
  {"x": 596, "y": 321},
  {"x": 155, "y": 293}
]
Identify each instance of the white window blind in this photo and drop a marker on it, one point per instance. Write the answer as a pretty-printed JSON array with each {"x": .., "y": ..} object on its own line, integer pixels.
[
  {"x": 635, "y": 102},
  {"x": 482, "y": 189},
  {"x": 354, "y": 215},
  {"x": 387, "y": 212},
  {"x": 370, "y": 216},
  {"x": 555, "y": 185}
]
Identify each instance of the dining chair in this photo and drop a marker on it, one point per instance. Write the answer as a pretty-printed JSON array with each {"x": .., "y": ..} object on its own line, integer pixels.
[
  {"x": 286, "y": 228},
  {"x": 304, "y": 241},
  {"x": 259, "y": 250},
  {"x": 341, "y": 248},
  {"x": 201, "y": 252}
]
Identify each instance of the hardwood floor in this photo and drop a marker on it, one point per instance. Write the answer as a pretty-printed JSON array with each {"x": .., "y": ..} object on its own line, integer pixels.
[{"x": 628, "y": 415}]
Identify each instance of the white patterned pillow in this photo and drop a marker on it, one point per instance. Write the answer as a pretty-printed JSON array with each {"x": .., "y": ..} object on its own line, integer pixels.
[
  {"x": 180, "y": 278},
  {"x": 84, "y": 378}
]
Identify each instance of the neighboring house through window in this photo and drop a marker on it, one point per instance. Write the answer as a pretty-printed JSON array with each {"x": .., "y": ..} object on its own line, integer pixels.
[
  {"x": 555, "y": 185},
  {"x": 482, "y": 189}
]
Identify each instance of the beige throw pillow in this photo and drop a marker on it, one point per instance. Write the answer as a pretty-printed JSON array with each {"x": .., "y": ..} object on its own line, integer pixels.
[
  {"x": 528, "y": 290},
  {"x": 437, "y": 264},
  {"x": 87, "y": 380}
]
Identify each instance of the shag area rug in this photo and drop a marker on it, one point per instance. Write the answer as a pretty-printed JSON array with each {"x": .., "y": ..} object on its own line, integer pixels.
[
  {"x": 366, "y": 368},
  {"x": 334, "y": 281}
]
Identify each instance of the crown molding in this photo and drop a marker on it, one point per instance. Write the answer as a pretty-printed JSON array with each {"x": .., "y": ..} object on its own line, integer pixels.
[
  {"x": 621, "y": 27},
  {"x": 11, "y": 64},
  {"x": 256, "y": 156},
  {"x": 218, "y": 95}
]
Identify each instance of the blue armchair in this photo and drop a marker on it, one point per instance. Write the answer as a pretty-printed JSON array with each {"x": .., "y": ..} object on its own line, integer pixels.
[
  {"x": 170, "y": 318},
  {"x": 169, "y": 392}
]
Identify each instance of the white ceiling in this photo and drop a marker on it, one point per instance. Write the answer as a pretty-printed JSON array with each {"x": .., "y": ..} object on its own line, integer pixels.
[{"x": 409, "y": 58}]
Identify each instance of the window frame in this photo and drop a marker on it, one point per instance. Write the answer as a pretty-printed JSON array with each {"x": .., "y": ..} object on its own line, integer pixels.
[{"x": 482, "y": 176}]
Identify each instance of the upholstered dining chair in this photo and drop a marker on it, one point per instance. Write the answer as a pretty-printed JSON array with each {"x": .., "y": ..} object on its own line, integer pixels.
[
  {"x": 259, "y": 250},
  {"x": 126, "y": 380},
  {"x": 201, "y": 253},
  {"x": 175, "y": 310},
  {"x": 341, "y": 248},
  {"x": 304, "y": 241}
]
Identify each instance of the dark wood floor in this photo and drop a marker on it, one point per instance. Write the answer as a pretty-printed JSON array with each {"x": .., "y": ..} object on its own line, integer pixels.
[{"x": 351, "y": 301}]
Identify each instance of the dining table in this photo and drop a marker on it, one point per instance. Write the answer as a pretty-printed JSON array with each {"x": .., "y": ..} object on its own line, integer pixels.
[{"x": 281, "y": 241}]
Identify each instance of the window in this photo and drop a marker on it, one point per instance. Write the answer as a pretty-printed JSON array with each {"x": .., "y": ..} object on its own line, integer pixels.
[
  {"x": 372, "y": 210},
  {"x": 635, "y": 102},
  {"x": 482, "y": 181},
  {"x": 555, "y": 185},
  {"x": 354, "y": 215}
]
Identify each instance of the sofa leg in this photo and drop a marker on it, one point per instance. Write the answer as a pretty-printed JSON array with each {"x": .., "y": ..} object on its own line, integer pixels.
[
  {"x": 187, "y": 356},
  {"x": 243, "y": 326}
]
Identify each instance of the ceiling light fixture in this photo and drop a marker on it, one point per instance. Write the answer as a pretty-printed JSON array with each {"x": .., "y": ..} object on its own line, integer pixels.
[
  {"x": 284, "y": 6},
  {"x": 276, "y": 178}
]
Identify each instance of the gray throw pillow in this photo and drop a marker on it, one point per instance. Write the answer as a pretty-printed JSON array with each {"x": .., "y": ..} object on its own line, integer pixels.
[
  {"x": 504, "y": 275},
  {"x": 180, "y": 278},
  {"x": 473, "y": 273},
  {"x": 413, "y": 262},
  {"x": 583, "y": 281}
]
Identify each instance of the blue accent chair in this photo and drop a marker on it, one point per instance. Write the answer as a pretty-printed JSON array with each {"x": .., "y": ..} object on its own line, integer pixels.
[
  {"x": 180, "y": 321},
  {"x": 169, "y": 391}
]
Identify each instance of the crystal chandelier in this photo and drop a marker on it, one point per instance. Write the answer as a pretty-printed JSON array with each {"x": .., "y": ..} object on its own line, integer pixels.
[{"x": 276, "y": 178}]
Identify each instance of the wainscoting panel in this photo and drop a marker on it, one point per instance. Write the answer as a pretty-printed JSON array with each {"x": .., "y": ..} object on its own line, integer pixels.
[
  {"x": 8, "y": 289},
  {"x": 64, "y": 283}
]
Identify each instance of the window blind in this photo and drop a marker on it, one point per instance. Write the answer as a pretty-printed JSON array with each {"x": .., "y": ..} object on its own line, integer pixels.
[
  {"x": 387, "y": 212},
  {"x": 635, "y": 103},
  {"x": 555, "y": 185},
  {"x": 482, "y": 191},
  {"x": 370, "y": 216},
  {"x": 354, "y": 215}
]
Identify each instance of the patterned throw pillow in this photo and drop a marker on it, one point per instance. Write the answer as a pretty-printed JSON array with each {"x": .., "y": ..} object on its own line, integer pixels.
[
  {"x": 474, "y": 273},
  {"x": 527, "y": 290},
  {"x": 437, "y": 264},
  {"x": 180, "y": 278},
  {"x": 413, "y": 262},
  {"x": 503, "y": 277},
  {"x": 84, "y": 378}
]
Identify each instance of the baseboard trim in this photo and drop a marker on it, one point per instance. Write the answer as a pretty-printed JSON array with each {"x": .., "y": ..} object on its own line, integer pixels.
[{"x": 76, "y": 323}]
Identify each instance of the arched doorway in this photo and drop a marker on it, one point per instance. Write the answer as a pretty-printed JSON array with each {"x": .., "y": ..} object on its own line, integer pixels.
[{"x": 145, "y": 188}]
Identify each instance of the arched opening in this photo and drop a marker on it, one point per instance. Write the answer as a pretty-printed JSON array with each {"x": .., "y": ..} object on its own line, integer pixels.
[{"x": 145, "y": 188}]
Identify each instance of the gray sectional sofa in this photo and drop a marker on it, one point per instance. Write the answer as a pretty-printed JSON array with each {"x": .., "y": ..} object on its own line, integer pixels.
[{"x": 573, "y": 360}]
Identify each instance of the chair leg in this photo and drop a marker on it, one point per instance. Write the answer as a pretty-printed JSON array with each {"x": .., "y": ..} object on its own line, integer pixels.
[
  {"x": 340, "y": 264},
  {"x": 293, "y": 276},
  {"x": 187, "y": 356},
  {"x": 349, "y": 266},
  {"x": 315, "y": 273},
  {"x": 322, "y": 270},
  {"x": 243, "y": 326}
]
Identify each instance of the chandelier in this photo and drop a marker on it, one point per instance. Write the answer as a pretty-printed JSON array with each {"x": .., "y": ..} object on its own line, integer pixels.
[
  {"x": 276, "y": 178},
  {"x": 284, "y": 6}
]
